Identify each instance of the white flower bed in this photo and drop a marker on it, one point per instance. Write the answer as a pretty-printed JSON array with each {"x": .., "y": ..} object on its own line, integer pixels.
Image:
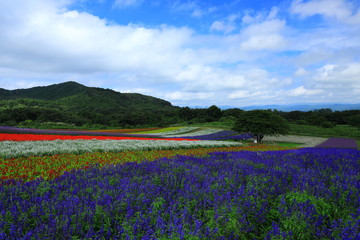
[{"x": 12, "y": 149}]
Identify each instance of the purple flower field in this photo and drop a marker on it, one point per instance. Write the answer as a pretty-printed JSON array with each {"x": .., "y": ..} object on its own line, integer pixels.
[
  {"x": 211, "y": 136},
  {"x": 339, "y": 143},
  {"x": 304, "y": 194}
]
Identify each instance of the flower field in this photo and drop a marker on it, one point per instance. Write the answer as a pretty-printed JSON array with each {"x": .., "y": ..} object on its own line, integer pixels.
[
  {"x": 39, "y": 137},
  {"x": 339, "y": 142},
  {"x": 127, "y": 187},
  {"x": 52, "y": 166},
  {"x": 293, "y": 194}
]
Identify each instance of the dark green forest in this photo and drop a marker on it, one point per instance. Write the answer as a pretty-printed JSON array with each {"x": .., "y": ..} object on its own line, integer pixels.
[{"x": 71, "y": 104}]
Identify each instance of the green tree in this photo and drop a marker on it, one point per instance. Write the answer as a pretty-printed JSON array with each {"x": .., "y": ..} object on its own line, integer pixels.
[
  {"x": 353, "y": 120},
  {"x": 213, "y": 113},
  {"x": 261, "y": 123}
]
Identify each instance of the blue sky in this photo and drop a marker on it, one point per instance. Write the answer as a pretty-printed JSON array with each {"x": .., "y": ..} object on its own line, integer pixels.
[{"x": 191, "y": 53}]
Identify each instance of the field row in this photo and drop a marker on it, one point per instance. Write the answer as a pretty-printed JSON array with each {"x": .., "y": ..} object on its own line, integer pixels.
[
  {"x": 295, "y": 194},
  {"x": 12, "y": 149},
  {"x": 170, "y": 132},
  {"x": 50, "y": 167}
]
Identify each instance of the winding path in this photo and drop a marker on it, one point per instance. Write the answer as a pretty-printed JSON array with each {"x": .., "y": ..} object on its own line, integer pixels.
[{"x": 308, "y": 141}]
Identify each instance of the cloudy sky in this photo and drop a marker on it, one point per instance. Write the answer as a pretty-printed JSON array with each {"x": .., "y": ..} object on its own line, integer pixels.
[{"x": 191, "y": 53}]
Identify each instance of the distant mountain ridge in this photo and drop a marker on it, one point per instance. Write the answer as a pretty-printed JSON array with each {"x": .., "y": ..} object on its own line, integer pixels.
[
  {"x": 51, "y": 92},
  {"x": 301, "y": 107},
  {"x": 73, "y": 102},
  {"x": 69, "y": 89}
]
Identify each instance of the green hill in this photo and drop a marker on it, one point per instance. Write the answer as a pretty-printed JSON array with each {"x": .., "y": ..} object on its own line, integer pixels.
[{"x": 73, "y": 103}]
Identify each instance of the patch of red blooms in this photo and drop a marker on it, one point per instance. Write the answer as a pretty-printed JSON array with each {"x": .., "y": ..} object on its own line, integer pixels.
[{"x": 39, "y": 137}]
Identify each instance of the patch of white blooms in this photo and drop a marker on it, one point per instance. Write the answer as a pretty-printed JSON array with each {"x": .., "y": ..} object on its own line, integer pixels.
[{"x": 12, "y": 149}]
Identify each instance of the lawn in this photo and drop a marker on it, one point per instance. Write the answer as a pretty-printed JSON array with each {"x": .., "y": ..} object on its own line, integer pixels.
[{"x": 344, "y": 131}]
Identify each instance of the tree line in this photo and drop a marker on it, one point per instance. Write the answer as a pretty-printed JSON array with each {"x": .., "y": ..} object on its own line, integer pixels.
[{"x": 161, "y": 116}]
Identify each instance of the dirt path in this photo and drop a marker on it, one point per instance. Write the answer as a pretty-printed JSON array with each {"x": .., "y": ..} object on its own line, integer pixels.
[{"x": 306, "y": 141}]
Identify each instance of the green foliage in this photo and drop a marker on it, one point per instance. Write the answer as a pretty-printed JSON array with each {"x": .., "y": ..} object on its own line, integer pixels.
[
  {"x": 353, "y": 120},
  {"x": 213, "y": 113},
  {"x": 296, "y": 221},
  {"x": 260, "y": 123},
  {"x": 336, "y": 131},
  {"x": 72, "y": 103}
]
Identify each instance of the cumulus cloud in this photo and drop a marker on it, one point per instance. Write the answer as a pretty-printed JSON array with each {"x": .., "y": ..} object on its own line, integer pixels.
[
  {"x": 336, "y": 82},
  {"x": 44, "y": 42},
  {"x": 341, "y": 10},
  {"x": 263, "y": 33},
  {"x": 302, "y": 91},
  {"x": 301, "y": 72},
  {"x": 227, "y": 26},
  {"x": 339, "y": 74},
  {"x": 222, "y": 26},
  {"x": 72, "y": 41}
]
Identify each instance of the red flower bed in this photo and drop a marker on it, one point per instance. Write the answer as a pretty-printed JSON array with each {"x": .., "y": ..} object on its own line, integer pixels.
[{"x": 39, "y": 137}]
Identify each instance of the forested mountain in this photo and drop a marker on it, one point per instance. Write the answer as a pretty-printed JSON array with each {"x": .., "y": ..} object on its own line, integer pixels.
[
  {"x": 52, "y": 92},
  {"x": 72, "y": 102}
]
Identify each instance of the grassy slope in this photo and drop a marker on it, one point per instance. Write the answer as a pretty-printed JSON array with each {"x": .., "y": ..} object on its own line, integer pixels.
[{"x": 344, "y": 131}]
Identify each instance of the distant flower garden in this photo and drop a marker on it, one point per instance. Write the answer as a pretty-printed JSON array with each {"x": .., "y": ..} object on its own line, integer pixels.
[{"x": 123, "y": 186}]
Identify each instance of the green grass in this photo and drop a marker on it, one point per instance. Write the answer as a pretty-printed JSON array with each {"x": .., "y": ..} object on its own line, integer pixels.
[
  {"x": 344, "y": 131},
  {"x": 288, "y": 144},
  {"x": 218, "y": 124}
]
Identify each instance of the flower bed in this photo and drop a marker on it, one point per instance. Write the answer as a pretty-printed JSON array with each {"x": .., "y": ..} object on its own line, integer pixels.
[
  {"x": 40, "y": 137},
  {"x": 6, "y": 129},
  {"x": 50, "y": 167},
  {"x": 339, "y": 143},
  {"x": 210, "y": 136},
  {"x": 239, "y": 137},
  {"x": 296, "y": 194},
  {"x": 11, "y": 149}
]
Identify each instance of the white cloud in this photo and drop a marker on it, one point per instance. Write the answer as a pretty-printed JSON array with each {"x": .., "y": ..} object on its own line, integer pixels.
[
  {"x": 302, "y": 91},
  {"x": 264, "y": 35},
  {"x": 186, "y": 96},
  {"x": 227, "y": 25},
  {"x": 301, "y": 72},
  {"x": 341, "y": 10},
  {"x": 336, "y": 83},
  {"x": 126, "y": 3},
  {"x": 71, "y": 41},
  {"x": 190, "y": 6},
  {"x": 145, "y": 91},
  {"x": 240, "y": 94},
  {"x": 222, "y": 26},
  {"x": 340, "y": 75},
  {"x": 264, "y": 42},
  {"x": 43, "y": 42}
]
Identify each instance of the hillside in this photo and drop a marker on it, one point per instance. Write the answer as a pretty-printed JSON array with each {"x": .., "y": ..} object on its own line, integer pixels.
[{"x": 72, "y": 102}]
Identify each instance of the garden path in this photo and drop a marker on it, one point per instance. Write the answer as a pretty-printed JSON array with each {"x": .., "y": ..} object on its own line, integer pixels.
[{"x": 306, "y": 141}]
